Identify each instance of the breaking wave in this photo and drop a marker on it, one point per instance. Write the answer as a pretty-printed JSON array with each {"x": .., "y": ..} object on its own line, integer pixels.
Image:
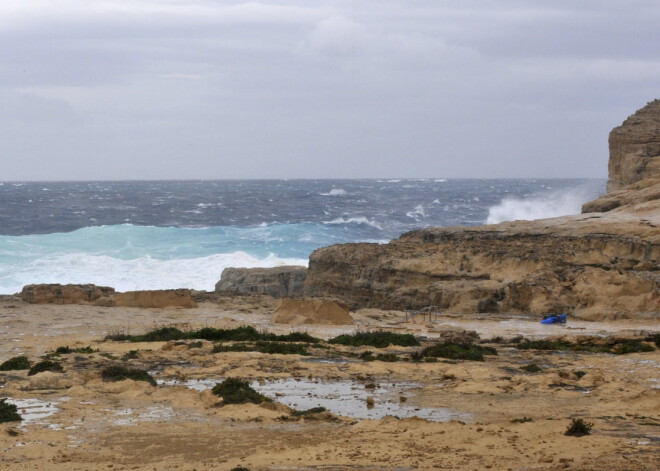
[{"x": 549, "y": 205}]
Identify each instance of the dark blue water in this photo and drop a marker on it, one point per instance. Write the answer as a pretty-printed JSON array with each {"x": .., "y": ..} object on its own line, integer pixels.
[{"x": 147, "y": 235}]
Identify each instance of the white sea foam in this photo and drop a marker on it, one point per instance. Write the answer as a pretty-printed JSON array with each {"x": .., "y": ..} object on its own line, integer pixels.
[
  {"x": 418, "y": 213},
  {"x": 356, "y": 220},
  {"x": 335, "y": 192},
  {"x": 137, "y": 274},
  {"x": 553, "y": 204}
]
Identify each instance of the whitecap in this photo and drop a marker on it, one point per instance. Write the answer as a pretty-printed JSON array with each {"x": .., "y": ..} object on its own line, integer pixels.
[
  {"x": 335, "y": 192},
  {"x": 355, "y": 220}
]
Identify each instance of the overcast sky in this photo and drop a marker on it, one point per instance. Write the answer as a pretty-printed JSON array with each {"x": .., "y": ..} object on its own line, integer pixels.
[{"x": 168, "y": 89}]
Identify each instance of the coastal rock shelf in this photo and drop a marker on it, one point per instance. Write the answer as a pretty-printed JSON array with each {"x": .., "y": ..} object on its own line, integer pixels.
[{"x": 600, "y": 264}]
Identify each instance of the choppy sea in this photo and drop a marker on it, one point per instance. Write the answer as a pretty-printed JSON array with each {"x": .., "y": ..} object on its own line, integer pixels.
[{"x": 182, "y": 234}]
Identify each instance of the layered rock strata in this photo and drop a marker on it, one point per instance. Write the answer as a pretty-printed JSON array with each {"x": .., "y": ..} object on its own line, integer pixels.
[
  {"x": 105, "y": 296},
  {"x": 277, "y": 282},
  {"x": 597, "y": 264}
]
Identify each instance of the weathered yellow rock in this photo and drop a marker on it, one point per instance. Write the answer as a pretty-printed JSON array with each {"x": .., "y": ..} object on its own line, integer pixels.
[{"x": 312, "y": 311}]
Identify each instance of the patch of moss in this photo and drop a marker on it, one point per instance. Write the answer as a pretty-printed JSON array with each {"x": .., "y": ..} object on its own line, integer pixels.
[
  {"x": 455, "y": 352},
  {"x": 46, "y": 365},
  {"x": 118, "y": 373},
  {"x": 632, "y": 346},
  {"x": 378, "y": 339},
  {"x": 16, "y": 363},
  {"x": 532, "y": 368},
  {"x": 237, "y": 391},
  {"x": 618, "y": 346},
  {"x": 313, "y": 410},
  {"x": 9, "y": 412},
  {"x": 578, "y": 428}
]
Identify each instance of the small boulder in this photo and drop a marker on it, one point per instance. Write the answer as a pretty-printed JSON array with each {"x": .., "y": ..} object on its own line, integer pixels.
[{"x": 296, "y": 311}]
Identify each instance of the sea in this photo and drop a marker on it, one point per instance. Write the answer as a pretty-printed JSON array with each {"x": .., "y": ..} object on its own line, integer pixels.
[{"x": 134, "y": 235}]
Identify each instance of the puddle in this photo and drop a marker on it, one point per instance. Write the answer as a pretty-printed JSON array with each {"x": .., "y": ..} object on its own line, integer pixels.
[
  {"x": 346, "y": 398},
  {"x": 34, "y": 411}
]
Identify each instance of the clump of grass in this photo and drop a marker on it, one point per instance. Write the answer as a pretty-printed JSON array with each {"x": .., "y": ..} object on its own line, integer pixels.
[
  {"x": 532, "y": 368},
  {"x": 313, "y": 410},
  {"x": 522, "y": 420},
  {"x": 239, "y": 334},
  {"x": 580, "y": 374},
  {"x": 264, "y": 347},
  {"x": 237, "y": 391},
  {"x": 16, "y": 363},
  {"x": 46, "y": 365},
  {"x": 618, "y": 346},
  {"x": 197, "y": 344},
  {"x": 131, "y": 355},
  {"x": 66, "y": 350},
  {"x": 118, "y": 373},
  {"x": 578, "y": 428},
  {"x": 653, "y": 337},
  {"x": 9, "y": 412},
  {"x": 454, "y": 351},
  {"x": 12, "y": 432},
  {"x": 632, "y": 346},
  {"x": 239, "y": 468},
  {"x": 378, "y": 339}
]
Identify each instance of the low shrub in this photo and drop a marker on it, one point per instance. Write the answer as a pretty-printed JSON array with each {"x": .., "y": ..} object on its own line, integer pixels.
[
  {"x": 532, "y": 368},
  {"x": 66, "y": 350},
  {"x": 9, "y": 412},
  {"x": 580, "y": 374},
  {"x": 237, "y": 391},
  {"x": 378, "y": 339},
  {"x": 16, "y": 363},
  {"x": 313, "y": 410},
  {"x": 632, "y": 346},
  {"x": 119, "y": 373},
  {"x": 455, "y": 352},
  {"x": 653, "y": 337},
  {"x": 239, "y": 334},
  {"x": 46, "y": 365},
  {"x": 578, "y": 428}
]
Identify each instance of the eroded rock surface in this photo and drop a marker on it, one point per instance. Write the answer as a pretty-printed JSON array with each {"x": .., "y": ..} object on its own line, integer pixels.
[
  {"x": 277, "y": 282},
  {"x": 312, "y": 311},
  {"x": 597, "y": 265}
]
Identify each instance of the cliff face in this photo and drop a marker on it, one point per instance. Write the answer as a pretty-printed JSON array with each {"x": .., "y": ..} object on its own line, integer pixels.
[{"x": 595, "y": 265}]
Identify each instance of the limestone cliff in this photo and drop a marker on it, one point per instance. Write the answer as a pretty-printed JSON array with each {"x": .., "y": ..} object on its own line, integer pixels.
[
  {"x": 595, "y": 265},
  {"x": 278, "y": 281}
]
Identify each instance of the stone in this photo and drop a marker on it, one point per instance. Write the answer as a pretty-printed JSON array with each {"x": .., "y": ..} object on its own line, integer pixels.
[
  {"x": 155, "y": 299},
  {"x": 277, "y": 282},
  {"x": 64, "y": 294},
  {"x": 298, "y": 311}
]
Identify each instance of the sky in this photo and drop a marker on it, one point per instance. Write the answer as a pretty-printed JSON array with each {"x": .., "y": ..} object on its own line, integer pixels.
[{"x": 214, "y": 89}]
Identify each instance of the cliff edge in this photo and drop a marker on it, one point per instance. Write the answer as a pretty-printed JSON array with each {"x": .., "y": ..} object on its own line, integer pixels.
[{"x": 601, "y": 264}]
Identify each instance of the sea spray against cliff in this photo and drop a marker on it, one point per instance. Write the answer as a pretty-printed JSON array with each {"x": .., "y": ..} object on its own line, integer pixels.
[{"x": 548, "y": 205}]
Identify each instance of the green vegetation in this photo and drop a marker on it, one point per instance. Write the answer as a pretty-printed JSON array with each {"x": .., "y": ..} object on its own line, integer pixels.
[
  {"x": 9, "y": 412},
  {"x": 12, "y": 432},
  {"x": 313, "y": 410},
  {"x": 118, "y": 373},
  {"x": 237, "y": 391},
  {"x": 580, "y": 374},
  {"x": 66, "y": 350},
  {"x": 264, "y": 347},
  {"x": 378, "y": 339},
  {"x": 654, "y": 337},
  {"x": 522, "y": 420},
  {"x": 453, "y": 351},
  {"x": 16, "y": 363},
  {"x": 578, "y": 428},
  {"x": 616, "y": 346},
  {"x": 532, "y": 368},
  {"x": 388, "y": 357},
  {"x": 46, "y": 365},
  {"x": 239, "y": 334},
  {"x": 239, "y": 468}
]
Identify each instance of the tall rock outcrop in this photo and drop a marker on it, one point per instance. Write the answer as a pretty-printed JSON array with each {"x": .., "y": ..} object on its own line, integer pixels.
[
  {"x": 277, "y": 281},
  {"x": 603, "y": 263}
]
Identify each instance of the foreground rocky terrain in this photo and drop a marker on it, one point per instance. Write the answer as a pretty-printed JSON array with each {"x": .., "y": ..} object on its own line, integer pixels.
[
  {"x": 601, "y": 264},
  {"x": 387, "y": 407}
]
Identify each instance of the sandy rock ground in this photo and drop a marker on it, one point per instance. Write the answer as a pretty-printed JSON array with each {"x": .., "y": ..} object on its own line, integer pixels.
[{"x": 77, "y": 421}]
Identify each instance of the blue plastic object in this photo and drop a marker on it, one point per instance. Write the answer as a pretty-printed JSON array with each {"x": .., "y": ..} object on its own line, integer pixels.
[{"x": 560, "y": 319}]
